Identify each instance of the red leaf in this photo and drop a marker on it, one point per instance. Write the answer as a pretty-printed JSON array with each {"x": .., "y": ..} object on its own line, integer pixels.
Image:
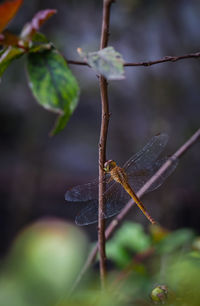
[
  {"x": 8, "y": 10},
  {"x": 41, "y": 17},
  {"x": 9, "y": 39},
  {"x": 32, "y": 27}
]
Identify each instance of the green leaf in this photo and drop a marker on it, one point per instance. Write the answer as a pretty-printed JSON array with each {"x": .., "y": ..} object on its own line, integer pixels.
[
  {"x": 39, "y": 38},
  {"x": 7, "y": 56},
  {"x": 117, "y": 253},
  {"x": 53, "y": 84},
  {"x": 176, "y": 240},
  {"x": 132, "y": 235},
  {"x": 182, "y": 273},
  {"x": 39, "y": 43},
  {"x": 107, "y": 62},
  {"x": 40, "y": 47},
  {"x": 60, "y": 123}
]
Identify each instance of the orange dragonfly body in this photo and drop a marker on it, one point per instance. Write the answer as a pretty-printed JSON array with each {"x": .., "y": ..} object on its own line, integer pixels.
[
  {"x": 121, "y": 183},
  {"x": 119, "y": 175}
]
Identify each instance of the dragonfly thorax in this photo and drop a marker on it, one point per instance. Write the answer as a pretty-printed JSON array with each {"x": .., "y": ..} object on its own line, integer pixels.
[{"x": 119, "y": 175}]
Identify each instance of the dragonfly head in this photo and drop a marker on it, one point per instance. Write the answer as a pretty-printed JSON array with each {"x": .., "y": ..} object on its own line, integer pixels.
[{"x": 109, "y": 165}]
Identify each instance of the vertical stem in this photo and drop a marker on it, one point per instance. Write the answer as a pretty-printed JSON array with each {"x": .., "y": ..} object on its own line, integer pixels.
[
  {"x": 102, "y": 143},
  {"x": 105, "y": 23},
  {"x": 102, "y": 158}
]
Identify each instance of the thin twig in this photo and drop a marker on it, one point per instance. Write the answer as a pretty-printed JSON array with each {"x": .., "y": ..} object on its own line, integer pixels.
[
  {"x": 73, "y": 62},
  {"x": 102, "y": 158},
  {"x": 102, "y": 143},
  {"x": 115, "y": 222},
  {"x": 146, "y": 63},
  {"x": 164, "y": 59}
]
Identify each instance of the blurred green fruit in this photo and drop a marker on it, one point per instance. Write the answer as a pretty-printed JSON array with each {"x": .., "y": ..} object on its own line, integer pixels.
[{"x": 46, "y": 258}]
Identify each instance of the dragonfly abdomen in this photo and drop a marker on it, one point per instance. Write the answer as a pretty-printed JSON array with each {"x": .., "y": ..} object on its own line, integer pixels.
[{"x": 138, "y": 202}]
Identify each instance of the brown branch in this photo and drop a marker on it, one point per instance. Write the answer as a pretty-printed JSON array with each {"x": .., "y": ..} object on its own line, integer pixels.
[
  {"x": 102, "y": 144},
  {"x": 115, "y": 222},
  {"x": 164, "y": 59},
  {"x": 80, "y": 63},
  {"x": 147, "y": 63},
  {"x": 102, "y": 158}
]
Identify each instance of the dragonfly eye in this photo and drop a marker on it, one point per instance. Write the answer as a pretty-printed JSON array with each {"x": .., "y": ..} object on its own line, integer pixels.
[{"x": 109, "y": 165}]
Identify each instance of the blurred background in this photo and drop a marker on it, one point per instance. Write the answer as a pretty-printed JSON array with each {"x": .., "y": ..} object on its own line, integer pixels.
[{"x": 36, "y": 170}]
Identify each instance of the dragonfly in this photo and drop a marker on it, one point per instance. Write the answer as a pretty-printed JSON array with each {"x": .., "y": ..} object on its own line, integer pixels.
[{"x": 122, "y": 183}]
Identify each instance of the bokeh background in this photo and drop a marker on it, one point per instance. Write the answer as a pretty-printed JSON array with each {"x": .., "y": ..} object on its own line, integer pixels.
[{"x": 36, "y": 170}]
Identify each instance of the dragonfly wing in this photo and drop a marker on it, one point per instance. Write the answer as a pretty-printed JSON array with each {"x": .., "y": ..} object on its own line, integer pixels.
[
  {"x": 145, "y": 157},
  {"x": 165, "y": 175},
  {"x": 89, "y": 214},
  {"x": 85, "y": 192},
  {"x": 139, "y": 177},
  {"x": 115, "y": 198}
]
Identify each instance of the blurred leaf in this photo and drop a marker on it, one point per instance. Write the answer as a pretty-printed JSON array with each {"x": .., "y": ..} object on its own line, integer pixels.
[
  {"x": 39, "y": 43},
  {"x": 32, "y": 27},
  {"x": 132, "y": 235},
  {"x": 40, "y": 48},
  {"x": 158, "y": 233},
  {"x": 196, "y": 244},
  {"x": 175, "y": 240},
  {"x": 195, "y": 254},
  {"x": 60, "y": 123},
  {"x": 183, "y": 276},
  {"x": 39, "y": 38},
  {"x": 9, "y": 39},
  {"x": 8, "y": 10},
  {"x": 53, "y": 84},
  {"x": 2, "y": 51},
  {"x": 92, "y": 297},
  {"x": 107, "y": 62},
  {"x": 7, "y": 56},
  {"x": 117, "y": 253}
]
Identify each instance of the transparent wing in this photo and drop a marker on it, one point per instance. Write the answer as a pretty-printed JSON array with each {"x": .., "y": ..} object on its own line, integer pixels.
[
  {"x": 115, "y": 199},
  {"x": 139, "y": 169},
  {"x": 137, "y": 178},
  {"x": 145, "y": 157},
  {"x": 89, "y": 214},
  {"x": 85, "y": 192},
  {"x": 141, "y": 160}
]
